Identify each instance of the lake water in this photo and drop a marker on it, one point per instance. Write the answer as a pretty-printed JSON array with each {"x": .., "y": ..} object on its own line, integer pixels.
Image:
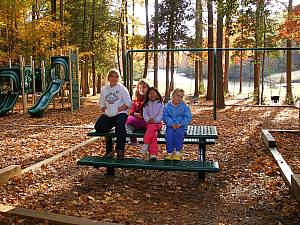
[{"x": 181, "y": 81}]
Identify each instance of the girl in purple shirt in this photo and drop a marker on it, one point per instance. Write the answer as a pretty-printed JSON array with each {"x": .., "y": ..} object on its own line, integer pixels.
[{"x": 152, "y": 113}]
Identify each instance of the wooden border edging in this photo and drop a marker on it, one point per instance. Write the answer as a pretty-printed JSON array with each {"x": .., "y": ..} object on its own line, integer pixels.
[
  {"x": 53, "y": 217},
  {"x": 296, "y": 186},
  {"x": 293, "y": 180},
  {"x": 283, "y": 166},
  {"x": 268, "y": 139},
  {"x": 9, "y": 172},
  {"x": 59, "y": 155},
  {"x": 287, "y": 131}
]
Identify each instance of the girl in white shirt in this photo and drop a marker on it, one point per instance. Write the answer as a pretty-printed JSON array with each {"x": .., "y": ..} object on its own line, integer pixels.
[{"x": 114, "y": 104}]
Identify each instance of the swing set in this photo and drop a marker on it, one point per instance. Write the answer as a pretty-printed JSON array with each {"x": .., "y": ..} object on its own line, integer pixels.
[{"x": 274, "y": 98}]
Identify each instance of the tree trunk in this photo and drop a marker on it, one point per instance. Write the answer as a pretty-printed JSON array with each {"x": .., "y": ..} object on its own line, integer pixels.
[
  {"x": 123, "y": 39},
  {"x": 289, "y": 94},
  {"x": 147, "y": 40},
  {"x": 220, "y": 83},
  {"x": 257, "y": 54},
  {"x": 61, "y": 19},
  {"x": 93, "y": 49},
  {"x": 53, "y": 15},
  {"x": 86, "y": 75},
  {"x": 226, "y": 72},
  {"x": 156, "y": 43},
  {"x": 198, "y": 44},
  {"x": 209, "y": 95}
]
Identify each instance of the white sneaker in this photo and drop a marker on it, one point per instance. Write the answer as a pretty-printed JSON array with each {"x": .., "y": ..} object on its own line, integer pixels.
[
  {"x": 144, "y": 149},
  {"x": 152, "y": 157}
]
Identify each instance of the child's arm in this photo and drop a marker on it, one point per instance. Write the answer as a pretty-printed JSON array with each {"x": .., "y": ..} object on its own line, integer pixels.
[
  {"x": 187, "y": 116},
  {"x": 102, "y": 101},
  {"x": 146, "y": 114},
  {"x": 126, "y": 100},
  {"x": 167, "y": 117},
  {"x": 159, "y": 117}
]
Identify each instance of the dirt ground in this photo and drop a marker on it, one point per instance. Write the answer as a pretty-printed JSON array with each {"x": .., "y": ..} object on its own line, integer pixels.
[{"x": 248, "y": 189}]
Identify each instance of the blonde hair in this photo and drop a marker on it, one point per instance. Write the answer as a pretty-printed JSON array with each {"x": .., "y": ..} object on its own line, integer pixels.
[
  {"x": 137, "y": 93},
  {"x": 178, "y": 90},
  {"x": 112, "y": 72}
]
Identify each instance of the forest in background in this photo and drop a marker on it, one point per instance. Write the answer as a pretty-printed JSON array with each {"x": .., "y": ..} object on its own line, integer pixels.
[{"x": 103, "y": 30}]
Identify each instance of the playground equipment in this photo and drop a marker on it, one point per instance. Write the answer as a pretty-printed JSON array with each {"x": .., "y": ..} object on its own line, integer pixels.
[
  {"x": 64, "y": 76},
  {"x": 9, "y": 89},
  {"x": 64, "y": 71}
]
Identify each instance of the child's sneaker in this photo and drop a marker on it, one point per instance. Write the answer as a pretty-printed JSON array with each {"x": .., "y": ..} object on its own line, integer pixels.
[
  {"x": 176, "y": 156},
  {"x": 120, "y": 154},
  {"x": 144, "y": 149},
  {"x": 168, "y": 157},
  {"x": 152, "y": 157}
]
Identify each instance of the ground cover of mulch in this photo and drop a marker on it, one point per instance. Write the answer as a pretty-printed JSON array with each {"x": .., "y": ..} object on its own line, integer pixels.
[{"x": 248, "y": 190}]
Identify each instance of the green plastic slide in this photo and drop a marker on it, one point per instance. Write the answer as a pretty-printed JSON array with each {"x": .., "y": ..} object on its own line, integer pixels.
[
  {"x": 43, "y": 102},
  {"x": 7, "y": 102}
]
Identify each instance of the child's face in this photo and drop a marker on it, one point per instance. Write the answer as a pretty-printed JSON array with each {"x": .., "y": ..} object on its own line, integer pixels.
[
  {"x": 142, "y": 89},
  {"x": 113, "y": 79},
  {"x": 177, "y": 97},
  {"x": 152, "y": 95}
]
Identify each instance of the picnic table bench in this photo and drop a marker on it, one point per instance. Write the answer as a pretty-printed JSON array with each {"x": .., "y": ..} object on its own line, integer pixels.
[{"x": 196, "y": 134}]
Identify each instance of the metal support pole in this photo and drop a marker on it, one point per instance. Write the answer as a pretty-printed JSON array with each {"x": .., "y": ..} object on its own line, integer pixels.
[{"x": 215, "y": 84}]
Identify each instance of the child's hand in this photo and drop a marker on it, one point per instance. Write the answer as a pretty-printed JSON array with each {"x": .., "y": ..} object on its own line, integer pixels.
[
  {"x": 176, "y": 126},
  {"x": 103, "y": 109},
  {"x": 138, "y": 115},
  {"x": 151, "y": 120}
]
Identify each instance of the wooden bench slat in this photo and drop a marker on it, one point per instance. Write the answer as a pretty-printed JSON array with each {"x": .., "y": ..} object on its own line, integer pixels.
[{"x": 166, "y": 165}]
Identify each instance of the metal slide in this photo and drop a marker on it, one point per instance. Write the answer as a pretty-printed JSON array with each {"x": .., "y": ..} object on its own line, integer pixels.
[{"x": 46, "y": 97}]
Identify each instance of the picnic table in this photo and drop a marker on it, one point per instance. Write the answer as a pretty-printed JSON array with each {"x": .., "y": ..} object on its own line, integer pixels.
[{"x": 196, "y": 135}]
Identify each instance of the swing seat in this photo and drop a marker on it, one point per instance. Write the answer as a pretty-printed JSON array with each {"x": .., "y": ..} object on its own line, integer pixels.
[{"x": 275, "y": 98}]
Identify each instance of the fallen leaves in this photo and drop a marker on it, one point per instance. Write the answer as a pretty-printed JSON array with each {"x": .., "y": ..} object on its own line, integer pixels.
[{"x": 248, "y": 189}]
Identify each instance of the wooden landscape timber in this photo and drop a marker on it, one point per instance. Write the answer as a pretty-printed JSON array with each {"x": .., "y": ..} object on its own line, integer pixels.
[
  {"x": 9, "y": 172},
  {"x": 293, "y": 180},
  {"x": 268, "y": 139},
  {"x": 52, "y": 217},
  {"x": 296, "y": 186},
  {"x": 59, "y": 155}
]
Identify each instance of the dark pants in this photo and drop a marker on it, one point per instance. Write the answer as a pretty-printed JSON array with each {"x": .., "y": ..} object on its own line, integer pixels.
[{"x": 105, "y": 124}]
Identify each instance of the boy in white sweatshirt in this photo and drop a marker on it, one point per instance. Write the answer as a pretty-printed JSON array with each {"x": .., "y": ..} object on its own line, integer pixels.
[{"x": 114, "y": 104}]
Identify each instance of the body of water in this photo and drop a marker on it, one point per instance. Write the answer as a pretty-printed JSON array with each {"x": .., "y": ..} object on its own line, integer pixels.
[{"x": 188, "y": 84}]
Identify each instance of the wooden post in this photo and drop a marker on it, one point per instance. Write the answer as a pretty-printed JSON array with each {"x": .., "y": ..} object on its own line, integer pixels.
[
  {"x": 33, "y": 82},
  {"x": 43, "y": 77},
  {"x": 71, "y": 80},
  {"x": 78, "y": 76},
  {"x": 23, "y": 84},
  {"x": 11, "y": 82}
]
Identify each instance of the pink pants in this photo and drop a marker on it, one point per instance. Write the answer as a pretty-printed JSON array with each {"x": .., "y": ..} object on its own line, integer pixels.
[
  {"x": 137, "y": 123},
  {"x": 150, "y": 137}
]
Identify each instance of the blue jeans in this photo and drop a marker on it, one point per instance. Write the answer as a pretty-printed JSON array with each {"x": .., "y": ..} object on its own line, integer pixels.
[
  {"x": 174, "y": 138},
  {"x": 105, "y": 124}
]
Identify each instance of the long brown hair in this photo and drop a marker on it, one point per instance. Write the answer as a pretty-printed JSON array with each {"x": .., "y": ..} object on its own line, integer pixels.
[
  {"x": 138, "y": 96},
  {"x": 157, "y": 92}
]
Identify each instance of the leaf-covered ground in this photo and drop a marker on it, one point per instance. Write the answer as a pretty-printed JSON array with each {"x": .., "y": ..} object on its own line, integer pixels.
[{"x": 247, "y": 190}]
